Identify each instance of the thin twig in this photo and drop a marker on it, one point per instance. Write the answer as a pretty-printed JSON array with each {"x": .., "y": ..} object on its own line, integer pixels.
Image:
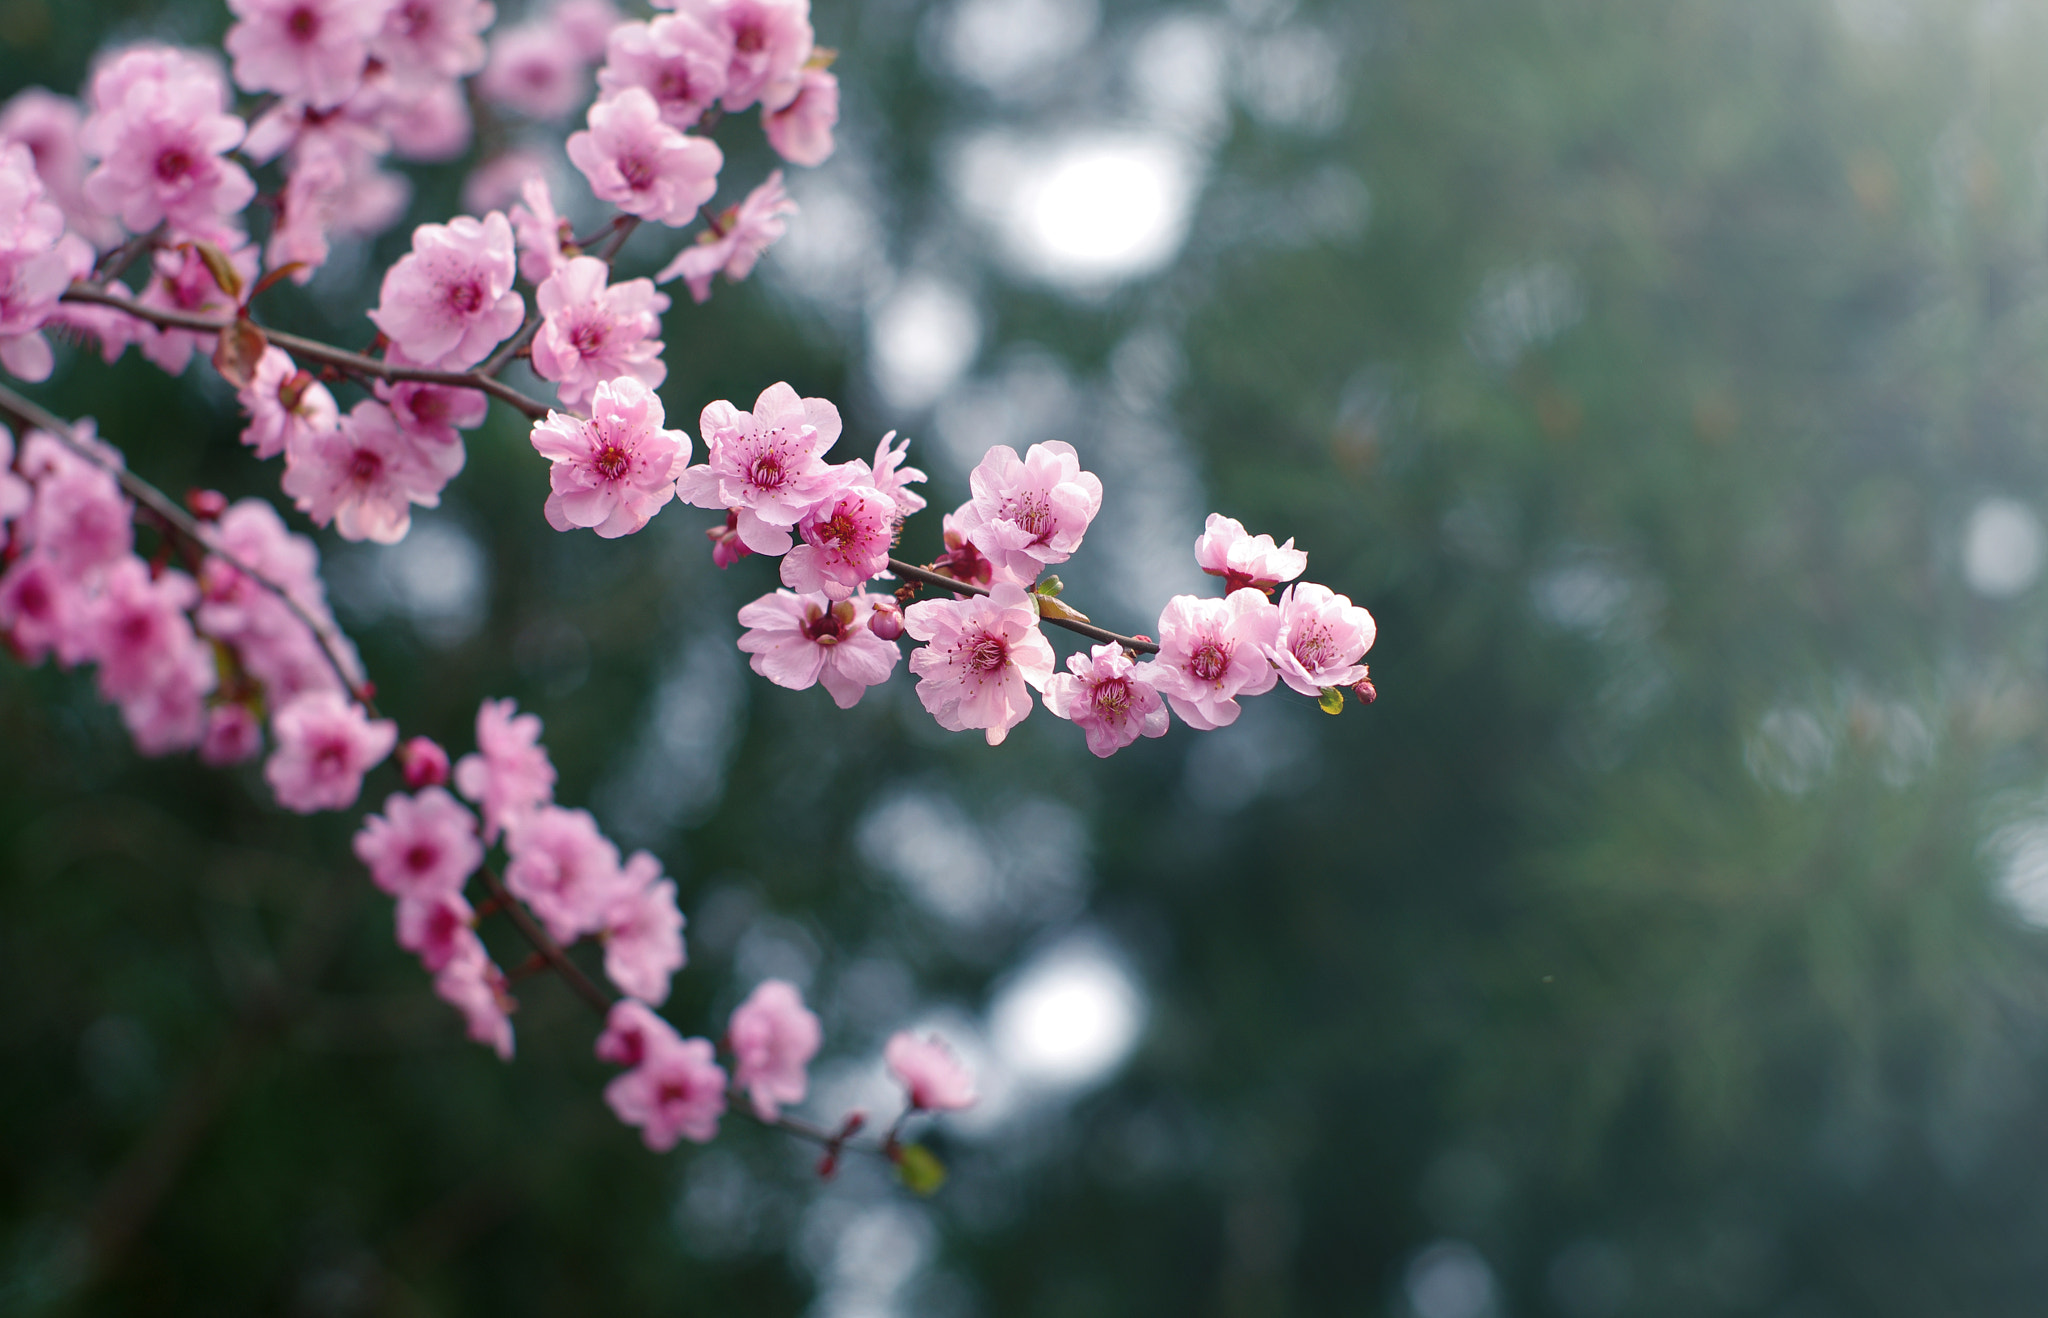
[
  {"x": 928, "y": 577},
  {"x": 36, "y": 417},
  {"x": 570, "y": 972}
]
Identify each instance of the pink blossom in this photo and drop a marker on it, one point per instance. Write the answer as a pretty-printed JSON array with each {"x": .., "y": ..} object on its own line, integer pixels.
[
  {"x": 138, "y": 629},
  {"x": 734, "y": 241},
  {"x": 423, "y": 762},
  {"x": 1110, "y": 697},
  {"x": 1030, "y": 513},
  {"x": 233, "y": 735},
  {"x": 38, "y": 261},
  {"x": 676, "y": 1092},
  {"x": 312, "y": 50},
  {"x": 593, "y": 333},
  {"x": 894, "y": 479},
  {"x": 677, "y": 59},
  {"x": 160, "y": 127},
  {"x": 430, "y": 42},
  {"x": 615, "y": 471},
  {"x": 325, "y": 744},
  {"x": 726, "y": 546},
  {"x": 450, "y": 301},
  {"x": 170, "y": 713},
  {"x": 534, "y": 72},
  {"x": 632, "y": 1032},
  {"x": 930, "y": 1071},
  {"x": 182, "y": 281},
  {"x": 286, "y": 405},
  {"x": 643, "y": 931},
  {"x": 768, "y": 464},
  {"x": 640, "y": 164},
  {"x": 432, "y": 125},
  {"x": 769, "y": 39},
  {"x": 962, "y": 561},
  {"x": 421, "y": 846},
  {"x": 983, "y": 654},
  {"x": 509, "y": 775},
  {"x": 563, "y": 868},
  {"x": 541, "y": 232},
  {"x": 846, "y": 539},
  {"x": 1320, "y": 638},
  {"x": 584, "y": 24},
  {"x": 40, "y": 609},
  {"x": 49, "y": 125},
  {"x": 801, "y": 131},
  {"x": 366, "y": 475},
  {"x": 81, "y": 519},
  {"x": 475, "y": 987},
  {"x": 432, "y": 413},
  {"x": 773, "y": 1038},
  {"x": 275, "y": 646},
  {"x": 439, "y": 929},
  {"x": 798, "y": 641},
  {"x": 1224, "y": 550},
  {"x": 887, "y": 619},
  {"x": 1212, "y": 651}
]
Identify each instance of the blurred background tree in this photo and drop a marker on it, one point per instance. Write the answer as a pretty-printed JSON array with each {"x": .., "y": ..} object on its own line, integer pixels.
[{"x": 1669, "y": 381}]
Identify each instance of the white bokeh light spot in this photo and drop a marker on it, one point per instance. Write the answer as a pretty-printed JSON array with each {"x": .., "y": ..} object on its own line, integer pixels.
[
  {"x": 2001, "y": 548},
  {"x": 1070, "y": 1016}
]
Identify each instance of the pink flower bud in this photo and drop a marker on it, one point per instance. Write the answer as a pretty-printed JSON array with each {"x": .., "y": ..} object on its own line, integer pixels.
[
  {"x": 423, "y": 762},
  {"x": 1363, "y": 689},
  {"x": 886, "y": 621},
  {"x": 206, "y": 505}
]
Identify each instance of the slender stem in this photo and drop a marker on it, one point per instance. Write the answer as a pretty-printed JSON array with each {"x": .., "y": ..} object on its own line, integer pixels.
[
  {"x": 926, "y": 576},
  {"x": 35, "y": 417},
  {"x": 620, "y": 229},
  {"x": 570, "y": 972}
]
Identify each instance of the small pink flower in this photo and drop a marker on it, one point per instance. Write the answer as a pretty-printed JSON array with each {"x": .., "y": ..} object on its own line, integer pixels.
[
  {"x": 846, "y": 539},
  {"x": 450, "y": 300},
  {"x": 432, "y": 413},
  {"x": 533, "y": 72},
  {"x": 1110, "y": 697},
  {"x": 563, "y": 868},
  {"x": 593, "y": 333},
  {"x": 734, "y": 241},
  {"x": 310, "y": 50},
  {"x": 160, "y": 128},
  {"x": 583, "y": 25},
  {"x": 985, "y": 656},
  {"x": 726, "y": 546},
  {"x": 274, "y": 645},
  {"x": 49, "y": 126},
  {"x": 929, "y": 1070},
  {"x": 423, "y": 762},
  {"x": 365, "y": 475},
  {"x": 509, "y": 775},
  {"x": 286, "y": 405},
  {"x": 182, "y": 281},
  {"x": 80, "y": 519},
  {"x": 425, "y": 43},
  {"x": 138, "y": 627},
  {"x": 632, "y": 1032},
  {"x": 615, "y": 471},
  {"x": 677, "y": 59},
  {"x": 170, "y": 714},
  {"x": 769, "y": 39},
  {"x": 768, "y": 464},
  {"x": 640, "y": 164},
  {"x": 1028, "y": 513},
  {"x": 41, "y": 607},
  {"x": 801, "y": 132},
  {"x": 962, "y": 561},
  {"x": 38, "y": 261},
  {"x": 431, "y": 125},
  {"x": 1212, "y": 651},
  {"x": 643, "y": 932},
  {"x": 1225, "y": 550},
  {"x": 798, "y": 641},
  {"x": 325, "y": 744},
  {"x": 1320, "y": 638},
  {"x": 439, "y": 928},
  {"x": 475, "y": 987},
  {"x": 421, "y": 846},
  {"x": 676, "y": 1092},
  {"x": 539, "y": 229},
  {"x": 894, "y": 479},
  {"x": 773, "y": 1038},
  {"x": 233, "y": 735}
]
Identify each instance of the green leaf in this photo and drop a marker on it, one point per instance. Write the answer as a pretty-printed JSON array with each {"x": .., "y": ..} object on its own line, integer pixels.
[
  {"x": 1049, "y": 588},
  {"x": 1333, "y": 700},
  {"x": 920, "y": 1169}
]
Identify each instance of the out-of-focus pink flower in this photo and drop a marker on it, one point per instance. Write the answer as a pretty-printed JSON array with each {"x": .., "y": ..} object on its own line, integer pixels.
[
  {"x": 423, "y": 762},
  {"x": 509, "y": 775},
  {"x": 81, "y": 519},
  {"x": 563, "y": 868},
  {"x": 1225, "y": 550},
  {"x": 170, "y": 713},
  {"x": 770, "y": 40},
  {"x": 48, "y": 125},
  {"x": 182, "y": 281},
  {"x": 1319, "y": 639},
  {"x": 984, "y": 657},
  {"x": 450, "y": 300},
  {"x": 160, "y": 128},
  {"x": 801, "y": 131},
  {"x": 433, "y": 125},
  {"x": 734, "y": 241},
  {"x": 640, "y": 164},
  {"x": 495, "y": 184},
  {"x": 426, "y": 43},
  {"x": 275, "y": 646},
  {"x": 233, "y": 735},
  {"x": 677, "y": 59},
  {"x": 365, "y": 475},
  {"x": 1030, "y": 512},
  {"x": 311, "y": 50},
  {"x": 768, "y": 463},
  {"x": 15, "y": 492},
  {"x": 928, "y": 1069},
  {"x": 421, "y": 845},
  {"x": 1110, "y": 697},
  {"x": 643, "y": 931},
  {"x": 894, "y": 479},
  {"x": 325, "y": 744},
  {"x": 475, "y": 987},
  {"x": 40, "y": 609},
  {"x": 438, "y": 929},
  {"x": 286, "y": 405},
  {"x": 533, "y": 72},
  {"x": 437, "y": 413},
  {"x": 846, "y": 539},
  {"x": 138, "y": 627},
  {"x": 773, "y": 1038},
  {"x": 583, "y": 26},
  {"x": 540, "y": 230},
  {"x": 726, "y": 546},
  {"x": 615, "y": 471},
  {"x": 1212, "y": 651},
  {"x": 676, "y": 1092},
  {"x": 593, "y": 333},
  {"x": 798, "y": 641},
  {"x": 632, "y": 1032},
  {"x": 38, "y": 261}
]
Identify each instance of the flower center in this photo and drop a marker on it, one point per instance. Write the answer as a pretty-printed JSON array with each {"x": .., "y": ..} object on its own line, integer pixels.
[
  {"x": 767, "y": 472},
  {"x": 749, "y": 39},
  {"x": 672, "y": 84},
  {"x": 414, "y": 19},
  {"x": 173, "y": 163},
  {"x": 587, "y": 338},
  {"x": 332, "y": 757},
  {"x": 612, "y": 461},
  {"x": 985, "y": 654},
  {"x": 1314, "y": 649},
  {"x": 637, "y": 172},
  {"x": 840, "y": 531},
  {"x": 304, "y": 24},
  {"x": 465, "y": 297},
  {"x": 136, "y": 629},
  {"x": 823, "y": 626},
  {"x": 1032, "y": 513},
  {"x": 1113, "y": 699},
  {"x": 1209, "y": 661},
  {"x": 421, "y": 856},
  {"x": 365, "y": 466}
]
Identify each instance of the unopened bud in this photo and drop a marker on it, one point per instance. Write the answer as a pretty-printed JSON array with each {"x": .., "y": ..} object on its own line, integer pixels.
[
  {"x": 886, "y": 621},
  {"x": 1363, "y": 689},
  {"x": 206, "y": 505},
  {"x": 423, "y": 763}
]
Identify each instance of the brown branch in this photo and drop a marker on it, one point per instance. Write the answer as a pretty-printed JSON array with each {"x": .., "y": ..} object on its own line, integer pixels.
[
  {"x": 571, "y": 973},
  {"x": 35, "y": 417},
  {"x": 925, "y": 576}
]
